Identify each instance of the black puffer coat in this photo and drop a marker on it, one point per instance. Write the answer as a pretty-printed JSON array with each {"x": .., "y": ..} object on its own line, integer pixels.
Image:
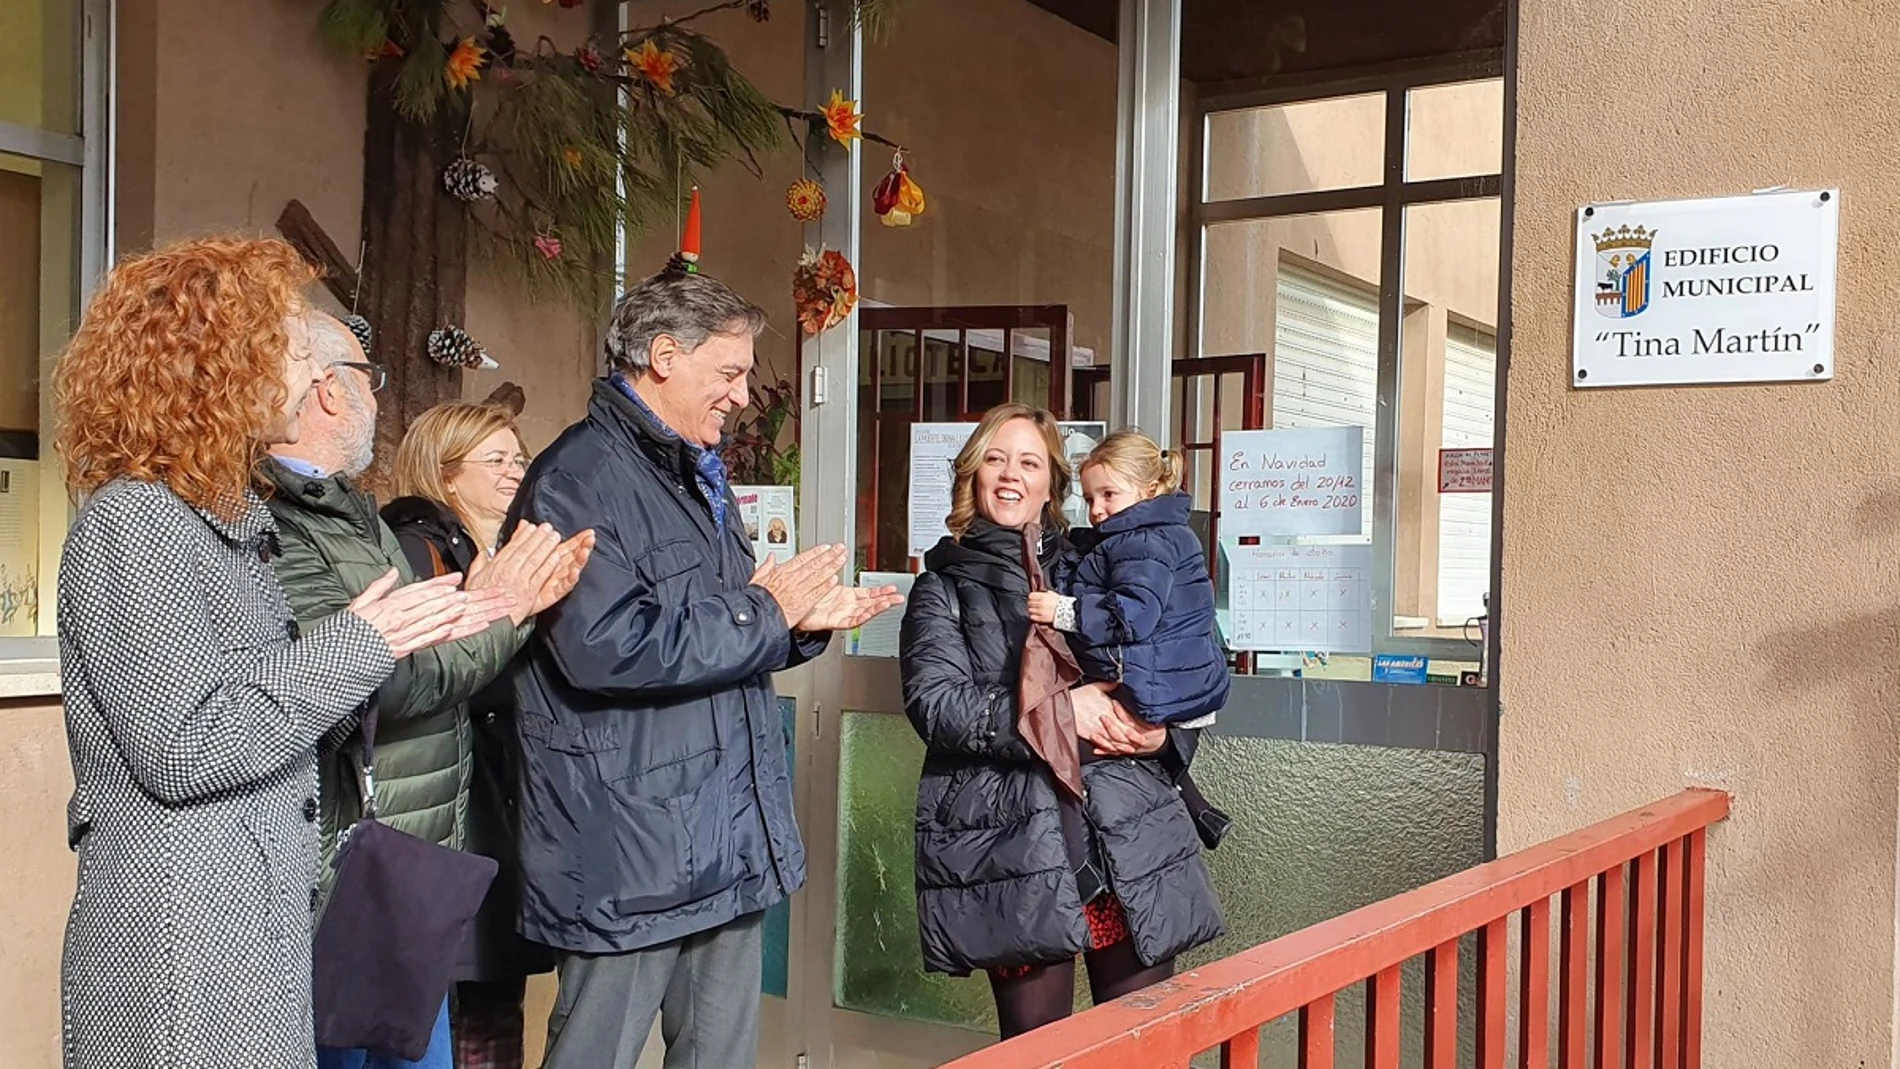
[{"x": 994, "y": 886}]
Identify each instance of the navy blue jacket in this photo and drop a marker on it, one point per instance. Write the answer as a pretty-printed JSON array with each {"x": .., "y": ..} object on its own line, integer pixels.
[
  {"x": 655, "y": 794},
  {"x": 1144, "y": 611}
]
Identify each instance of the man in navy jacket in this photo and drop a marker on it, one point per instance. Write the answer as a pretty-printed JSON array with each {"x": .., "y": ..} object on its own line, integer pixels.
[{"x": 655, "y": 794}]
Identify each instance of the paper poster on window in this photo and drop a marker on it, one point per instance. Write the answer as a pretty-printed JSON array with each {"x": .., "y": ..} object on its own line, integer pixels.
[
  {"x": 1288, "y": 598},
  {"x": 1079, "y": 439},
  {"x": 878, "y": 638},
  {"x": 933, "y": 454},
  {"x": 1293, "y": 481},
  {"x": 19, "y": 547},
  {"x": 771, "y": 522}
]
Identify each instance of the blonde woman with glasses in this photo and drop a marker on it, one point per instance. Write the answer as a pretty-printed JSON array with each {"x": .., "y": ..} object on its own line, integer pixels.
[{"x": 457, "y": 471}]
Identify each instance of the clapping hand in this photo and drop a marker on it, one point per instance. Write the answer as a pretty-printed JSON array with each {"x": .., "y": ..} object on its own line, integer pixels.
[
  {"x": 570, "y": 560},
  {"x": 846, "y": 607},
  {"x": 798, "y": 585},
  {"x": 421, "y": 615}
]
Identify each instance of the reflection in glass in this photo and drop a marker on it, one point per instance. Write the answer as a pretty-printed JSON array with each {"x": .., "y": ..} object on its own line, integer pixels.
[
  {"x": 39, "y": 298},
  {"x": 39, "y": 64},
  {"x": 1447, "y": 400},
  {"x": 880, "y": 968},
  {"x": 1314, "y": 145},
  {"x": 1455, "y": 131}
]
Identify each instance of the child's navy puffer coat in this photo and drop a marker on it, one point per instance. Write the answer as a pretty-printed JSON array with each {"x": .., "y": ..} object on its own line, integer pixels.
[{"x": 1144, "y": 611}]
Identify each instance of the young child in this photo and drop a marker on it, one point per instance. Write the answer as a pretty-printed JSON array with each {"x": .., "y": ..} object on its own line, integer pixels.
[{"x": 1136, "y": 599}]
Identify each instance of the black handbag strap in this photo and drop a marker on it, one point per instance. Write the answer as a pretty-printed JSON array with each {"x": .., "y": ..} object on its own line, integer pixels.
[{"x": 366, "y": 771}]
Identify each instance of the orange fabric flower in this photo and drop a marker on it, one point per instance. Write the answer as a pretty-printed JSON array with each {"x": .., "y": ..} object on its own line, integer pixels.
[
  {"x": 572, "y": 157},
  {"x": 465, "y": 63},
  {"x": 841, "y": 118},
  {"x": 655, "y": 64}
]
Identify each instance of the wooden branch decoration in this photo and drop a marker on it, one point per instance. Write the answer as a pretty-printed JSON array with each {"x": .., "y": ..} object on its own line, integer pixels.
[{"x": 308, "y": 237}]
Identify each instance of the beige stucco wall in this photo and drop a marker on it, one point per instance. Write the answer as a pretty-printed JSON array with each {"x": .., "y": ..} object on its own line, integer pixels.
[{"x": 1700, "y": 584}]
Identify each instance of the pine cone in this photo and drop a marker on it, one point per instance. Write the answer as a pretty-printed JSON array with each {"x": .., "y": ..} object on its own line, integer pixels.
[
  {"x": 451, "y": 346},
  {"x": 468, "y": 181},
  {"x": 359, "y": 327}
]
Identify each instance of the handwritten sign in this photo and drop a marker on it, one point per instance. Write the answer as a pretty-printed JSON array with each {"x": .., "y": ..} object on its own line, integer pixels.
[
  {"x": 933, "y": 454},
  {"x": 1464, "y": 471},
  {"x": 1293, "y": 481},
  {"x": 1722, "y": 289},
  {"x": 1295, "y": 598}
]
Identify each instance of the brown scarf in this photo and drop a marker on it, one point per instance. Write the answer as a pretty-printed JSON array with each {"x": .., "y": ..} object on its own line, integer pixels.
[{"x": 1047, "y": 715}]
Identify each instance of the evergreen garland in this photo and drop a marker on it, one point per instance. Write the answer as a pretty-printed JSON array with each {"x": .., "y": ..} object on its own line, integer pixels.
[{"x": 653, "y": 107}]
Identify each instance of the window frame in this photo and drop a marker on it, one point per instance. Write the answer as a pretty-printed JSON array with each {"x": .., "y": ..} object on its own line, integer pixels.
[{"x": 90, "y": 151}]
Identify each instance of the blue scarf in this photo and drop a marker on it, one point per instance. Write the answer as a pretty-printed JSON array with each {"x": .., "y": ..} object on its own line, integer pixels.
[{"x": 709, "y": 468}]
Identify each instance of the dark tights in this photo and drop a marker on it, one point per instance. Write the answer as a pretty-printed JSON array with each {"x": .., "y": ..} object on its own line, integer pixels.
[{"x": 1047, "y": 992}]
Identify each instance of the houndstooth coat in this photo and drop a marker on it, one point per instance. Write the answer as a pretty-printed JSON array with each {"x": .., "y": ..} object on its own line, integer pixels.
[{"x": 193, "y": 712}]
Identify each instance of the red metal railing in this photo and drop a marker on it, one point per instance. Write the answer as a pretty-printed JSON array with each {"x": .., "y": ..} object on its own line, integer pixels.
[{"x": 1645, "y": 1012}]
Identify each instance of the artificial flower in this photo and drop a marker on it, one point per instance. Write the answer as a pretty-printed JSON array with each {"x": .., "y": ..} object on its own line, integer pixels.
[
  {"x": 572, "y": 157},
  {"x": 548, "y": 246},
  {"x": 590, "y": 59},
  {"x": 655, "y": 64},
  {"x": 841, "y": 118},
  {"x": 465, "y": 63}
]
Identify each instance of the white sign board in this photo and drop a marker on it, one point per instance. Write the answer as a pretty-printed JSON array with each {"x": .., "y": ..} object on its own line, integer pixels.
[
  {"x": 1293, "y": 481},
  {"x": 770, "y": 522},
  {"x": 879, "y": 635},
  {"x": 1298, "y": 598},
  {"x": 933, "y": 454},
  {"x": 1079, "y": 439},
  {"x": 1728, "y": 289}
]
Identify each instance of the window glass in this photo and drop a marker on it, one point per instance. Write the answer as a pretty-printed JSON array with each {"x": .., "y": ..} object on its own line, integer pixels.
[{"x": 1314, "y": 145}]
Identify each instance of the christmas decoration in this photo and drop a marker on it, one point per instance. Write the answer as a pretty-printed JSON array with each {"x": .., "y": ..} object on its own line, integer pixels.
[
  {"x": 451, "y": 346},
  {"x": 841, "y": 118},
  {"x": 465, "y": 64},
  {"x": 657, "y": 65},
  {"x": 686, "y": 260},
  {"x": 468, "y": 181},
  {"x": 452, "y": 81},
  {"x": 805, "y": 200},
  {"x": 897, "y": 198},
  {"x": 824, "y": 290},
  {"x": 359, "y": 327},
  {"x": 760, "y": 10},
  {"x": 548, "y": 245}
]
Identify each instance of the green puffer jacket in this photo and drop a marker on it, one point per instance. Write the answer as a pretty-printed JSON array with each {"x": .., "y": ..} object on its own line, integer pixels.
[{"x": 334, "y": 546}]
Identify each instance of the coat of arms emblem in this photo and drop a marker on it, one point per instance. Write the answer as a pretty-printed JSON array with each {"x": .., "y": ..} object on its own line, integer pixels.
[{"x": 1623, "y": 271}]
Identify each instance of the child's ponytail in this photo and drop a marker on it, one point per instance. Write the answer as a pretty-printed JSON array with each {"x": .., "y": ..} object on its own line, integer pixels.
[
  {"x": 1170, "y": 480},
  {"x": 1135, "y": 457}
]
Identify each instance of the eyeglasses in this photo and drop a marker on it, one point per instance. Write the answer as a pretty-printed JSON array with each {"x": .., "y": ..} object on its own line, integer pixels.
[
  {"x": 378, "y": 374},
  {"x": 500, "y": 463}
]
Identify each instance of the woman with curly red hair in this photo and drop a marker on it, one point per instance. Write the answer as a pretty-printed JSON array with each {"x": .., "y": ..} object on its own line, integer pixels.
[{"x": 194, "y": 706}]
